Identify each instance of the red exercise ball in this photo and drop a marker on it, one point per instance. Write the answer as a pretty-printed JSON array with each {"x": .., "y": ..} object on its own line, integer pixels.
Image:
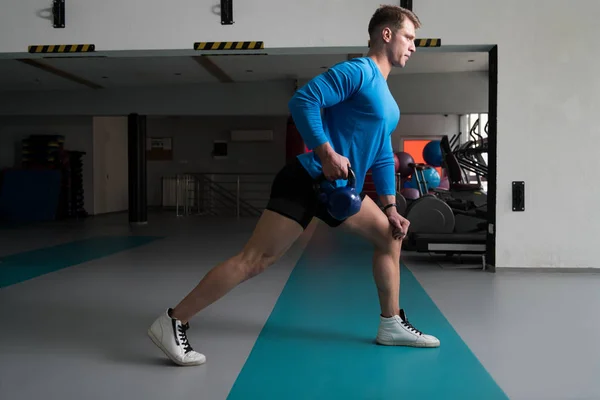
[
  {"x": 410, "y": 193},
  {"x": 404, "y": 161}
]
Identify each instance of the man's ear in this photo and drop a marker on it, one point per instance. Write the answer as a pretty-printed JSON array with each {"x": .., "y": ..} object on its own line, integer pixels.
[{"x": 386, "y": 34}]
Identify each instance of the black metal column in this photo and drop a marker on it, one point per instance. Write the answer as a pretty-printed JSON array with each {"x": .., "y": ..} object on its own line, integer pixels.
[
  {"x": 492, "y": 157},
  {"x": 138, "y": 212}
]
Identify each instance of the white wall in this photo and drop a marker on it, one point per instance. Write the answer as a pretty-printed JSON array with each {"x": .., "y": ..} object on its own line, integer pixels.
[
  {"x": 547, "y": 100},
  {"x": 452, "y": 93},
  {"x": 78, "y": 136},
  {"x": 193, "y": 139},
  {"x": 419, "y": 93},
  {"x": 111, "y": 191},
  {"x": 108, "y": 23}
]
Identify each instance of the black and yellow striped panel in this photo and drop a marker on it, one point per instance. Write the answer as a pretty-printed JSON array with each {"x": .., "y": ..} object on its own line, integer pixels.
[
  {"x": 234, "y": 55},
  {"x": 63, "y": 48},
  {"x": 423, "y": 43},
  {"x": 428, "y": 42},
  {"x": 229, "y": 45}
]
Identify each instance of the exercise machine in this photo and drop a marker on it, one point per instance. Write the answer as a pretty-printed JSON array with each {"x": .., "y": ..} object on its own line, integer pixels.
[
  {"x": 469, "y": 154},
  {"x": 473, "y": 194},
  {"x": 449, "y": 222},
  {"x": 437, "y": 211}
]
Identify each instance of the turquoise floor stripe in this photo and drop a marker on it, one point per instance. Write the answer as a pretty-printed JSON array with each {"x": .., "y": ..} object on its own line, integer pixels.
[
  {"x": 318, "y": 343},
  {"x": 23, "y": 266}
]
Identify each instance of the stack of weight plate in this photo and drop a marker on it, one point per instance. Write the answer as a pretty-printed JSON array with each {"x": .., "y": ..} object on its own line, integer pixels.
[{"x": 76, "y": 195}]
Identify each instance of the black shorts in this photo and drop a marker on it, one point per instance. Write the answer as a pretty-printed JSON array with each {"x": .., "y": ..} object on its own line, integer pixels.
[{"x": 294, "y": 195}]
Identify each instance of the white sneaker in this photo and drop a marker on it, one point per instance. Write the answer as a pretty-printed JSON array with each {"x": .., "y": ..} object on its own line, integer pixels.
[
  {"x": 397, "y": 331},
  {"x": 169, "y": 335}
]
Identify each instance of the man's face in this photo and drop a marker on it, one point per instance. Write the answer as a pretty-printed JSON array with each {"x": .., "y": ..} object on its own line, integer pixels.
[{"x": 402, "y": 44}]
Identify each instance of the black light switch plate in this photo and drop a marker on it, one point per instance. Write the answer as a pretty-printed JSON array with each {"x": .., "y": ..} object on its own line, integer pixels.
[{"x": 518, "y": 196}]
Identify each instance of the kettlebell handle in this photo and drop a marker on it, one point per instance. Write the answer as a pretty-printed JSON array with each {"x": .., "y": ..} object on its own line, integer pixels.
[{"x": 351, "y": 177}]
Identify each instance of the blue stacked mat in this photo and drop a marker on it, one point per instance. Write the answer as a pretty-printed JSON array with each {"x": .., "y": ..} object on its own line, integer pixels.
[{"x": 29, "y": 195}]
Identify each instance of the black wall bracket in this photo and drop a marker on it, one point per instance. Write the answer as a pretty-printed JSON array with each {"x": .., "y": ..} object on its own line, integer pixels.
[
  {"x": 219, "y": 149},
  {"x": 58, "y": 13},
  {"x": 226, "y": 12},
  {"x": 406, "y": 4},
  {"x": 518, "y": 196}
]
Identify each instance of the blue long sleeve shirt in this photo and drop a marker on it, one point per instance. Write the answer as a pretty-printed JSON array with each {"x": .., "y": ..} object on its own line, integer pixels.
[{"x": 351, "y": 107}]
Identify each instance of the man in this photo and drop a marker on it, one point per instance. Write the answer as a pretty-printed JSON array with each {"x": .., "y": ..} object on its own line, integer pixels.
[{"x": 355, "y": 130}]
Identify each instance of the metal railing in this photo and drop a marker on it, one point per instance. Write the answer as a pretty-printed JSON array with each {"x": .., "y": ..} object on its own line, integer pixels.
[{"x": 223, "y": 194}]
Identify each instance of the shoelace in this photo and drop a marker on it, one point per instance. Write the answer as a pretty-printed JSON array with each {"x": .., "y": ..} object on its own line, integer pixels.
[
  {"x": 411, "y": 328},
  {"x": 183, "y": 337}
]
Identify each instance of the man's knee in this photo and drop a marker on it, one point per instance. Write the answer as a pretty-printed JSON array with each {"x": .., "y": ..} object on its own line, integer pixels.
[
  {"x": 386, "y": 242},
  {"x": 394, "y": 245},
  {"x": 374, "y": 226}
]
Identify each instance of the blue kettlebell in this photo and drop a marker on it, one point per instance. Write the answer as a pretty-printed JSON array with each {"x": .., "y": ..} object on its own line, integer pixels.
[{"x": 342, "y": 202}]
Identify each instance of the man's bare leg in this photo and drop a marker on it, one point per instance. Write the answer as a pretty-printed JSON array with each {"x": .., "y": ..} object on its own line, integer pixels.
[
  {"x": 272, "y": 237},
  {"x": 386, "y": 272},
  {"x": 372, "y": 224}
]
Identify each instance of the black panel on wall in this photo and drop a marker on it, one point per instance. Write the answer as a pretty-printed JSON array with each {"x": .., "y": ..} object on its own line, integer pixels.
[{"x": 406, "y": 4}]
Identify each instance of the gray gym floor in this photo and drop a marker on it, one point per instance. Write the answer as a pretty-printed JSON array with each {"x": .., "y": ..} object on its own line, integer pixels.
[
  {"x": 80, "y": 331},
  {"x": 535, "y": 332}
]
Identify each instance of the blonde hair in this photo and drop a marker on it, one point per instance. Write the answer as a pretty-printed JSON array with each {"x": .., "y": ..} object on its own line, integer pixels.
[{"x": 391, "y": 16}]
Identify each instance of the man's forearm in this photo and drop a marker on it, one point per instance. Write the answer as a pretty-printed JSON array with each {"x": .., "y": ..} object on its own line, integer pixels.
[
  {"x": 324, "y": 150},
  {"x": 387, "y": 199}
]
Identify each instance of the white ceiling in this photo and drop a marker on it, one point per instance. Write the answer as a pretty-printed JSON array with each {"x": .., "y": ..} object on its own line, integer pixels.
[{"x": 175, "y": 70}]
